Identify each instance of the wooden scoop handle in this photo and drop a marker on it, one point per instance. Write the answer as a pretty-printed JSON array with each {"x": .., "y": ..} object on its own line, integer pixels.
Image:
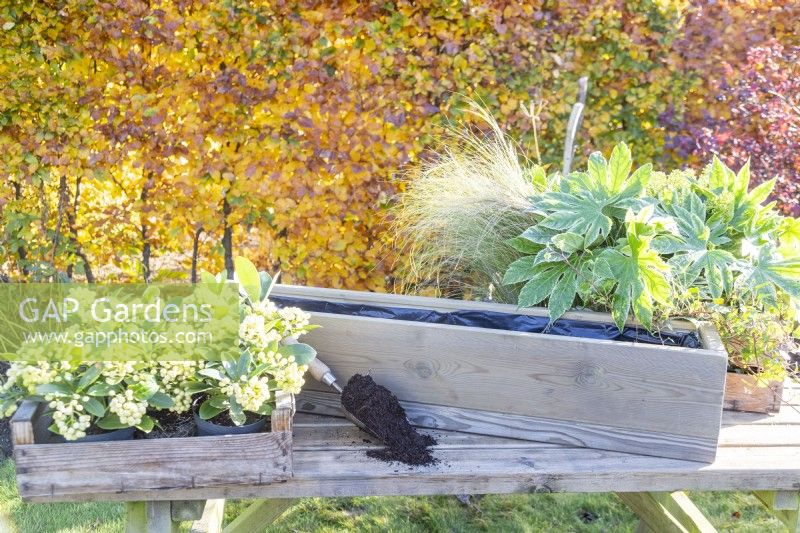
[{"x": 322, "y": 373}]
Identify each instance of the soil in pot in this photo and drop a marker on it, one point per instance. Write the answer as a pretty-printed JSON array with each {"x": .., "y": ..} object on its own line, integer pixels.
[
  {"x": 223, "y": 425},
  {"x": 380, "y": 411},
  {"x": 224, "y": 419},
  {"x": 170, "y": 425}
]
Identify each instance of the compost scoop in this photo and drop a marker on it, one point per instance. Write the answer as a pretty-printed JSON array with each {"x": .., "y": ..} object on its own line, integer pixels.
[
  {"x": 374, "y": 409},
  {"x": 322, "y": 373}
]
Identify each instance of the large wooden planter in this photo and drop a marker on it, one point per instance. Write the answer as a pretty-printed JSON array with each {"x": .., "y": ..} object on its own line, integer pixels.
[
  {"x": 144, "y": 467},
  {"x": 621, "y": 396}
]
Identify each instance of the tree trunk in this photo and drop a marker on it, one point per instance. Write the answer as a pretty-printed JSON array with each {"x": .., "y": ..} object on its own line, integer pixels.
[
  {"x": 227, "y": 238},
  {"x": 195, "y": 246},
  {"x": 72, "y": 216},
  {"x": 144, "y": 230},
  {"x": 63, "y": 205},
  {"x": 227, "y": 232},
  {"x": 22, "y": 252}
]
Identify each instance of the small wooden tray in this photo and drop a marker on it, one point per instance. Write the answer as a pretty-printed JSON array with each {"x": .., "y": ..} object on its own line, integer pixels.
[{"x": 81, "y": 471}]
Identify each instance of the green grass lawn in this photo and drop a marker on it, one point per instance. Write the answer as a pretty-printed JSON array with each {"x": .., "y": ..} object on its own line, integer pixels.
[{"x": 537, "y": 512}]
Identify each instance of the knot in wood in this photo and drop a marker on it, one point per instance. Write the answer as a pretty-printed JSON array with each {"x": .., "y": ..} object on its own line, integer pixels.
[
  {"x": 423, "y": 369},
  {"x": 589, "y": 374}
]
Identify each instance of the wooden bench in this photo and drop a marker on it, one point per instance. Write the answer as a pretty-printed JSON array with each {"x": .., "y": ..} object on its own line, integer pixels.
[{"x": 759, "y": 453}]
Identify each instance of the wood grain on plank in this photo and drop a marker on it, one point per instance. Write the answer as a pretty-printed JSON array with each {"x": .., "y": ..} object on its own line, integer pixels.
[
  {"x": 344, "y": 470},
  {"x": 535, "y": 429},
  {"x": 349, "y": 437},
  {"x": 738, "y": 429},
  {"x": 709, "y": 337},
  {"x": 281, "y": 419},
  {"x": 333, "y": 473},
  {"x": 22, "y": 430},
  {"x": 117, "y": 467},
  {"x": 603, "y": 382},
  {"x": 574, "y": 388}
]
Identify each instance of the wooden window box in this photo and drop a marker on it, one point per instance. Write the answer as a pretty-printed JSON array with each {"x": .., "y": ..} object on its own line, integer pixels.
[{"x": 604, "y": 394}]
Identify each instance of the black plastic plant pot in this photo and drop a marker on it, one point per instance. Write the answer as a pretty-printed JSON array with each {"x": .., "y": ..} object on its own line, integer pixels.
[
  {"x": 206, "y": 428},
  {"x": 108, "y": 436}
]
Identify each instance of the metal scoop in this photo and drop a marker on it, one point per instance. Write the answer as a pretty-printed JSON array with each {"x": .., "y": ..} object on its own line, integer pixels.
[{"x": 322, "y": 373}]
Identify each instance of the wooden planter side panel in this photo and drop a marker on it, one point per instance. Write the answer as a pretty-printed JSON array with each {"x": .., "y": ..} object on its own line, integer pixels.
[
  {"x": 603, "y": 382},
  {"x": 577, "y": 434},
  {"x": 62, "y": 472},
  {"x": 605, "y": 394}
]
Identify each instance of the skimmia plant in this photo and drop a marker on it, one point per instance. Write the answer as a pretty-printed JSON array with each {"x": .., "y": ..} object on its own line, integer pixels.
[
  {"x": 270, "y": 357},
  {"x": 641, "y": 240},
  {"x": 109, "y": 395}
]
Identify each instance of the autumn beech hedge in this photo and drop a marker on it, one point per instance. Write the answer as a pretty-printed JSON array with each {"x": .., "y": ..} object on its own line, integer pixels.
[{"x": 147, "y": 140}]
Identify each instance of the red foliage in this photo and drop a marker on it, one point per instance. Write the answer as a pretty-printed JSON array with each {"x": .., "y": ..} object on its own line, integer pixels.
[{"x": 763, "y": 101}]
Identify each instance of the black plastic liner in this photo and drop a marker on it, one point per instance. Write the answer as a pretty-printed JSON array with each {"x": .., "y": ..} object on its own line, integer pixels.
[{"x": 495, "y": 320}]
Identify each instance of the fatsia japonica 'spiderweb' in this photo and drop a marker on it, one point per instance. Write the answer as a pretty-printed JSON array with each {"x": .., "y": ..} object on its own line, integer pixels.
[{"x": 605, "y": 232}]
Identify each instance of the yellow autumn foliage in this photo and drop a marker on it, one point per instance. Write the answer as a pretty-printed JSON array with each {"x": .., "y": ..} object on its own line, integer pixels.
[{"x": 130, "y": 131}]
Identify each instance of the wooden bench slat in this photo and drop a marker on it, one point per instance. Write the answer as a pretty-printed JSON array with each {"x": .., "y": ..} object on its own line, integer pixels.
[
  {"x": 777, "y": 435},
  {"x": 789, "y": 415},
  {"x": 498, "y": 470}
]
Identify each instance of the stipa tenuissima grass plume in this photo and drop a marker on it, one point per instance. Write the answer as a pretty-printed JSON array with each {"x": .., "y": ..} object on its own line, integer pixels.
[{"x": 459, "y": 209}]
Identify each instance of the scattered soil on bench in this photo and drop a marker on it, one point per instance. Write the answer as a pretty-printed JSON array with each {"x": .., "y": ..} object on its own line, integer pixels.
[{"x": 380, "y": 411}]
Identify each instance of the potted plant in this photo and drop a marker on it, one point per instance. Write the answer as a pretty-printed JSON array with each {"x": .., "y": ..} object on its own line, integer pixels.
[
  {"x": 238, "y": 394},
  {"x": 622, "y": 258},
  {"x": 761, "y": 344},
  {"x": 87, "y": 402}
]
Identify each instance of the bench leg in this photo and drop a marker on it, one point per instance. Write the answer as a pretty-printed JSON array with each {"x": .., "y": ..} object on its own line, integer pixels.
[
  {"x": 667, "y": 512},
  {"x": 784, "y": 505},
  {"x": 259, "y": 515},
  {"x": 150, "y": 517},
  {"x": 211, "y": 520}
]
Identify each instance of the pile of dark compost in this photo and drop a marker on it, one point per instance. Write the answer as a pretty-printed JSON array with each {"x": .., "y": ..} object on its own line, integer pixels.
[{"x": 378, "y": 409}]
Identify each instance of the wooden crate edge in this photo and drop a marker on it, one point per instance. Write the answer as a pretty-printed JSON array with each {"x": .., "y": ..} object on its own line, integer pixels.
[
  {"x": 744, "y": 393},
  {"x": 33, "y": 484}
]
